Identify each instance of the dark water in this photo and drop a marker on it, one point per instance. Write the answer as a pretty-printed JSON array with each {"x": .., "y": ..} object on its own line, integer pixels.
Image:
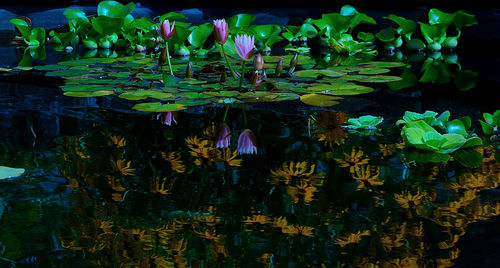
[{"x": 106, "y": 186}]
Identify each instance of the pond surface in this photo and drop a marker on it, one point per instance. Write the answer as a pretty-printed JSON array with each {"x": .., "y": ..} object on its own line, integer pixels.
[{"x": 105, "y": 184}]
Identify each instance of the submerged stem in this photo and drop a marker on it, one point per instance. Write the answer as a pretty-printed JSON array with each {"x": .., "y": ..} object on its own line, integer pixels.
[
  {"x": 168, "y": 59},
  {"x": 227, "y": 62},
  {"x": 225, "y": 114},
  {"x": 242, "y": 74}
]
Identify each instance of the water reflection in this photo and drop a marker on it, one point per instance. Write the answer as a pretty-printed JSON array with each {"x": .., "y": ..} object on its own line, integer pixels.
[{"x": 140, "y": 193}]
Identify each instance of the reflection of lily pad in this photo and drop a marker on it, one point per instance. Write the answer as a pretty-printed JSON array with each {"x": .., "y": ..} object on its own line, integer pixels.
[
  {"x": 158, "y": 107},
  {"x": 143, "y": 94},
  {"x": 8, "y": 172},
  {"x": 319, "y": 100},
  {"x": 88, "y": 94}
]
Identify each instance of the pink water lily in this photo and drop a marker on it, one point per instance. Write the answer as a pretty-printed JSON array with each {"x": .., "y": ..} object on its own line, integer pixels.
[
  {"x": 223, "y": 137},
  {"x": 165, "y": 31},
  {"x": 221, "y": 31},
  {"x": 244, "y": 46},
  {"x": 247, "y": 143}
]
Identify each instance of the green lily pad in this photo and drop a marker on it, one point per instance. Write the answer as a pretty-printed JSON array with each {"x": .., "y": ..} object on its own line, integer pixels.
[
  {"x": 158, "y": 107},
  {"x": 340, "y": 89},
  {"x": 384, "y": 64},
  {"x": 68, "y": 72},
  {"x": 8, "y": 172},
  {"x": 315, "y": 73},
  {"x": 51, "y": 67},
  {"x": 374, "y": 70},
  {"x": 89, "y": 94},
  {"x": 144, "y": 94},
  {"x": 84, "y": 88},
  {"x": 372, "y": 78},
  {"x": 319, "y": 100}
]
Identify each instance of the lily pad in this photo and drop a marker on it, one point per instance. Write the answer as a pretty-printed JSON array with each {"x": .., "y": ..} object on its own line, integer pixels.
[
  {"x": 88, "y": 94},
  {"x": 144, "y": 94},
  {"x": 372, "y": 78},
  {"x": 315, "y": 73},
  {"x": 340, "y": 89},
  {"x": 8, "y": 172},
  {"x": 158, "y": 107},
  {"x": 68, "y": 72},
  {"x": 319, "y": 100}
]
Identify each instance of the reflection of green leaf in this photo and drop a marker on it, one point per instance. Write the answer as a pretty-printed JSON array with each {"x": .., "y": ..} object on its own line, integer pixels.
[
  {"x": 468, "y": 158},
  {"x": 319, "y": 100},
  {"x": 8, "y": 172},
  {"x": 466, "y": 79},
  {"x": 158, "y": 107}
]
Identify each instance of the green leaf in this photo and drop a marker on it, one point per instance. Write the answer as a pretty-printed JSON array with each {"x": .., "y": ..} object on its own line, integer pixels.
[
  {"x": 456, "y": 126},
  {"x": 107, "y": 25},
  {"x": 264, "y": 32},
  {"x": 72, "y": 14},
  {"x": 239, "y": 22},
  {"x": 38, "y": 34},
  {"x": 8, "y": 172},
  {"x": 487, "y": 129},
  {"x": 173, "y": 16},
  {"x": 22, "y": 27},
  {"x": 452, "y": 143},
  {"x": 114, "y": 9},
  {"x": 496, "y": 118},
  {"x": 199, "y": 34}
]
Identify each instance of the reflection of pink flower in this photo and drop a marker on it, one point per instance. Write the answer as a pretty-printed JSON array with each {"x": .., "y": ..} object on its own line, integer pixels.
[
  {"x": 165, "y": 31},
  {"x": 220, "y": 31},
  {"x": 167, "y": 118},
  {"x": 247, "y": 143},
  {"x": 224, "y": 136},
  {"x": 244, "y": 46}
]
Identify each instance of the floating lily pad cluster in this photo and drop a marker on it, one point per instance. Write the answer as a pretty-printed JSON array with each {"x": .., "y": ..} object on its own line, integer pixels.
[{"x": 139, "y": 79}]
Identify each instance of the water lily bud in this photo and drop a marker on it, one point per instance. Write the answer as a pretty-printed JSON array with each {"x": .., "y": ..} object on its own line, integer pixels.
[
  {"x": 223, "y": 77},
  {"x": 293, "y": 63},
  {"x": 258, "y": 62},
  {"x": 221, "y": 31},
  {"x": 165, "y": 30},
  {"x": 189, "y": 70},
  {"x": 279, "y": 67},
  {"x": 254, "y": 78},
  {"x": 294, "y": 60}
]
